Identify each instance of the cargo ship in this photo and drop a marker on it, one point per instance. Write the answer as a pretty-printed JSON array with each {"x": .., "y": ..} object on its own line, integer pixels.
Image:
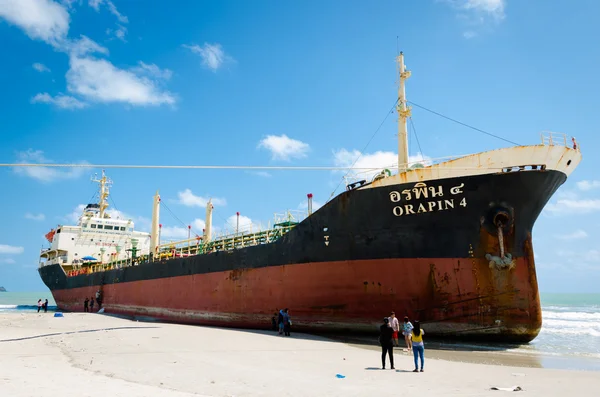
[{"x": 446, "y": 242}]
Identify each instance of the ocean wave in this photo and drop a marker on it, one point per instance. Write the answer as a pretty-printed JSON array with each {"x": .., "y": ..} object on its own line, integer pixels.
[
  {"x": 552, "y": 323},
  {"x": 4, "y": 308},
  {"x": 584, "y": 309},
  {"x": 572, "y": 331},
  {"x": 573, "y": 315}
]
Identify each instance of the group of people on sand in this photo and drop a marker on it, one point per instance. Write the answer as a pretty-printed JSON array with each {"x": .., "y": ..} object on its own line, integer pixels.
[
  {"x": 88, "y": 304},
  {"x": 281, "y": 321},
  {"x": 413, "y": 337},
  {"x": 42, "y": 305}
]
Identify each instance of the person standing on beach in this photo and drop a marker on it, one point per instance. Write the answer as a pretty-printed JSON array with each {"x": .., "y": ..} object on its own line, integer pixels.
[
  {"x": 39, "y": 305},
  {"x": 418, "y": 346},
  {"x": 99, "y": 299},
  {"x": 386, "y": 342},
  {"x": 86, "y": 303},
  {"x": 92, "y": 305},
  {"x": 407, "y": 328},
  {"x": 46, "y": 306},
  {"x": 395, "y": 327},
  {"x": 287, "y": 323},
  {"x": 274, "y": 322},
  {"x": 280, "y": 321}
]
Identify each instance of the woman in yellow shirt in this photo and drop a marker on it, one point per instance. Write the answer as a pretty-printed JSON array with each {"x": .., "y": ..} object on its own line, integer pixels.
[{"x": 418, "y": 346}]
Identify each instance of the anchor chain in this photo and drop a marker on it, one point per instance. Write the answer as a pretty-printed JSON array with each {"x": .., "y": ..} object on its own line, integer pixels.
[
  {"x": 500, "y": 239},
  {"x": 503, "y": 261}
]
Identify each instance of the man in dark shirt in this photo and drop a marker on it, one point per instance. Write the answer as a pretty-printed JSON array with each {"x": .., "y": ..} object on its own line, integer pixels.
[
  {"x": 386, "y": 342},
  {"x": 274, "y": 322},
  {"x": 86, "y": 303}
]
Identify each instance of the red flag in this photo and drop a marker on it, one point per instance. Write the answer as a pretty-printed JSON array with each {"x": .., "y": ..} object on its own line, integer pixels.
[{"x": 50, "y": 235}]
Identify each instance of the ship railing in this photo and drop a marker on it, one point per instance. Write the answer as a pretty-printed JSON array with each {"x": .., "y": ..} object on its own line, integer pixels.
[
  {"x": 290, "y": 216},
  {"x": 377, "y": 172},
  {"x": 196, "y": 245},
  {"x": 183, "y": 248},
  {"x": 552, "y": 138}
]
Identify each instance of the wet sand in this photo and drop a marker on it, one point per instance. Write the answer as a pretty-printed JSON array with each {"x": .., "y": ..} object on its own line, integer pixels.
[
  {"x": 484, "y": 354},
  {"x": 85, "y": 354}
]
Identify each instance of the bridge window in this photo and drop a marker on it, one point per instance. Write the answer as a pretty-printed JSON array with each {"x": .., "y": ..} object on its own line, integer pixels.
[
  {"x": 100, "y": 226},
  {"x": 108, "y": 227},
  {"x": 93, "y": 225}
]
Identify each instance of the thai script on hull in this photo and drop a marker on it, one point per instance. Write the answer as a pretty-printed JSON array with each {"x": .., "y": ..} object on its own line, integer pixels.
[{"x": 422, "y": 191}]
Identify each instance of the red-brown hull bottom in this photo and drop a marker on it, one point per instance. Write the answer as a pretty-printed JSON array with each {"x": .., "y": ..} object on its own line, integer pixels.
[{"x": 451, "y": 297}]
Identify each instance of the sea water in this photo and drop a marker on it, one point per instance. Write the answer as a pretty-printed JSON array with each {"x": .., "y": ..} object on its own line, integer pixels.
[
  {"x": 570, "y": 325},
  {"x": 24, "y": 301},
  {"x": 570, "y": 330}
]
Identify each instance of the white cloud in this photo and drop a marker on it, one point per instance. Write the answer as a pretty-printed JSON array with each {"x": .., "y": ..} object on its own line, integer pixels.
[
  {"x": 491, "y": 8},
  {"x": 10, "y": 249},
  {"x": 99, "y": 80},
  {"x": 188, "y": 199},
  {"x": 315, "y": 205},
  {"x": 376, "y": 161},
  {"x": 180, "y": 232},
  {"x": 478, "y": 14},
  {"x": 141, "y": 224},
  {"x": 173, "y": 232},
  {"x": 60, "y": 101},
  {"x": 35, "y": 217},
  {"x": 212, "y": 55},
  {"x": 40, "y": 67},
  {"x": 83, "y": 46},
  {"x": 40, "y": 19},
  {"x": 69, "y": 3},
  {"x": 121, "y": 30},
  {"x": 113, "y": 10},
  {"x": 95, "y": 80},
  {"x": 95, "y": 4},
  {"x": 588, "y": 185},
  {"x": 198, "y": 225},
  {"x": 572, "y": 206},
  {"x": 246, "y": 225},
  {"x": 9, "y": 261},
  {"x": 153, "y": 71},
  {"x": 73, "y": 217},
  {"x": 566, "y": 194},
  {"x": 494, "y": 8},
  {"x": 578, "y": 234},
  {"x": 44, "y": 174},
  {"x": 284, "y": 148}
]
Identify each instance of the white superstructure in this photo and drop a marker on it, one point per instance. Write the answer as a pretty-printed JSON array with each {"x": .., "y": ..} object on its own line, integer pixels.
[{"x": 96, "y": 238}]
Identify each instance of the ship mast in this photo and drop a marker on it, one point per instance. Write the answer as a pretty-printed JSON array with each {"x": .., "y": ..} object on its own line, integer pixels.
[
  {"x": 155, "y": 233},
  {"x": 104, "y": 192},
  {"x": 208, "y": 222},
  {"x": 403, "y": 115}
]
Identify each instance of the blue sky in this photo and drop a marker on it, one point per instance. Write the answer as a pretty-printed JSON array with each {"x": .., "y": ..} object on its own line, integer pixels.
[{"x": 277, "y": 83}]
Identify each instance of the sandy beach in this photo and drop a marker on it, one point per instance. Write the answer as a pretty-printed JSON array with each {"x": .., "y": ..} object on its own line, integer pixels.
[{"x": 97, "y": 355}]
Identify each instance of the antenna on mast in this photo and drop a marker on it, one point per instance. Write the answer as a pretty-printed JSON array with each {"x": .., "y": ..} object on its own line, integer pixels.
[
  {"x": 404, "y": 113},
  {"x": 104, "y": 192}
]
